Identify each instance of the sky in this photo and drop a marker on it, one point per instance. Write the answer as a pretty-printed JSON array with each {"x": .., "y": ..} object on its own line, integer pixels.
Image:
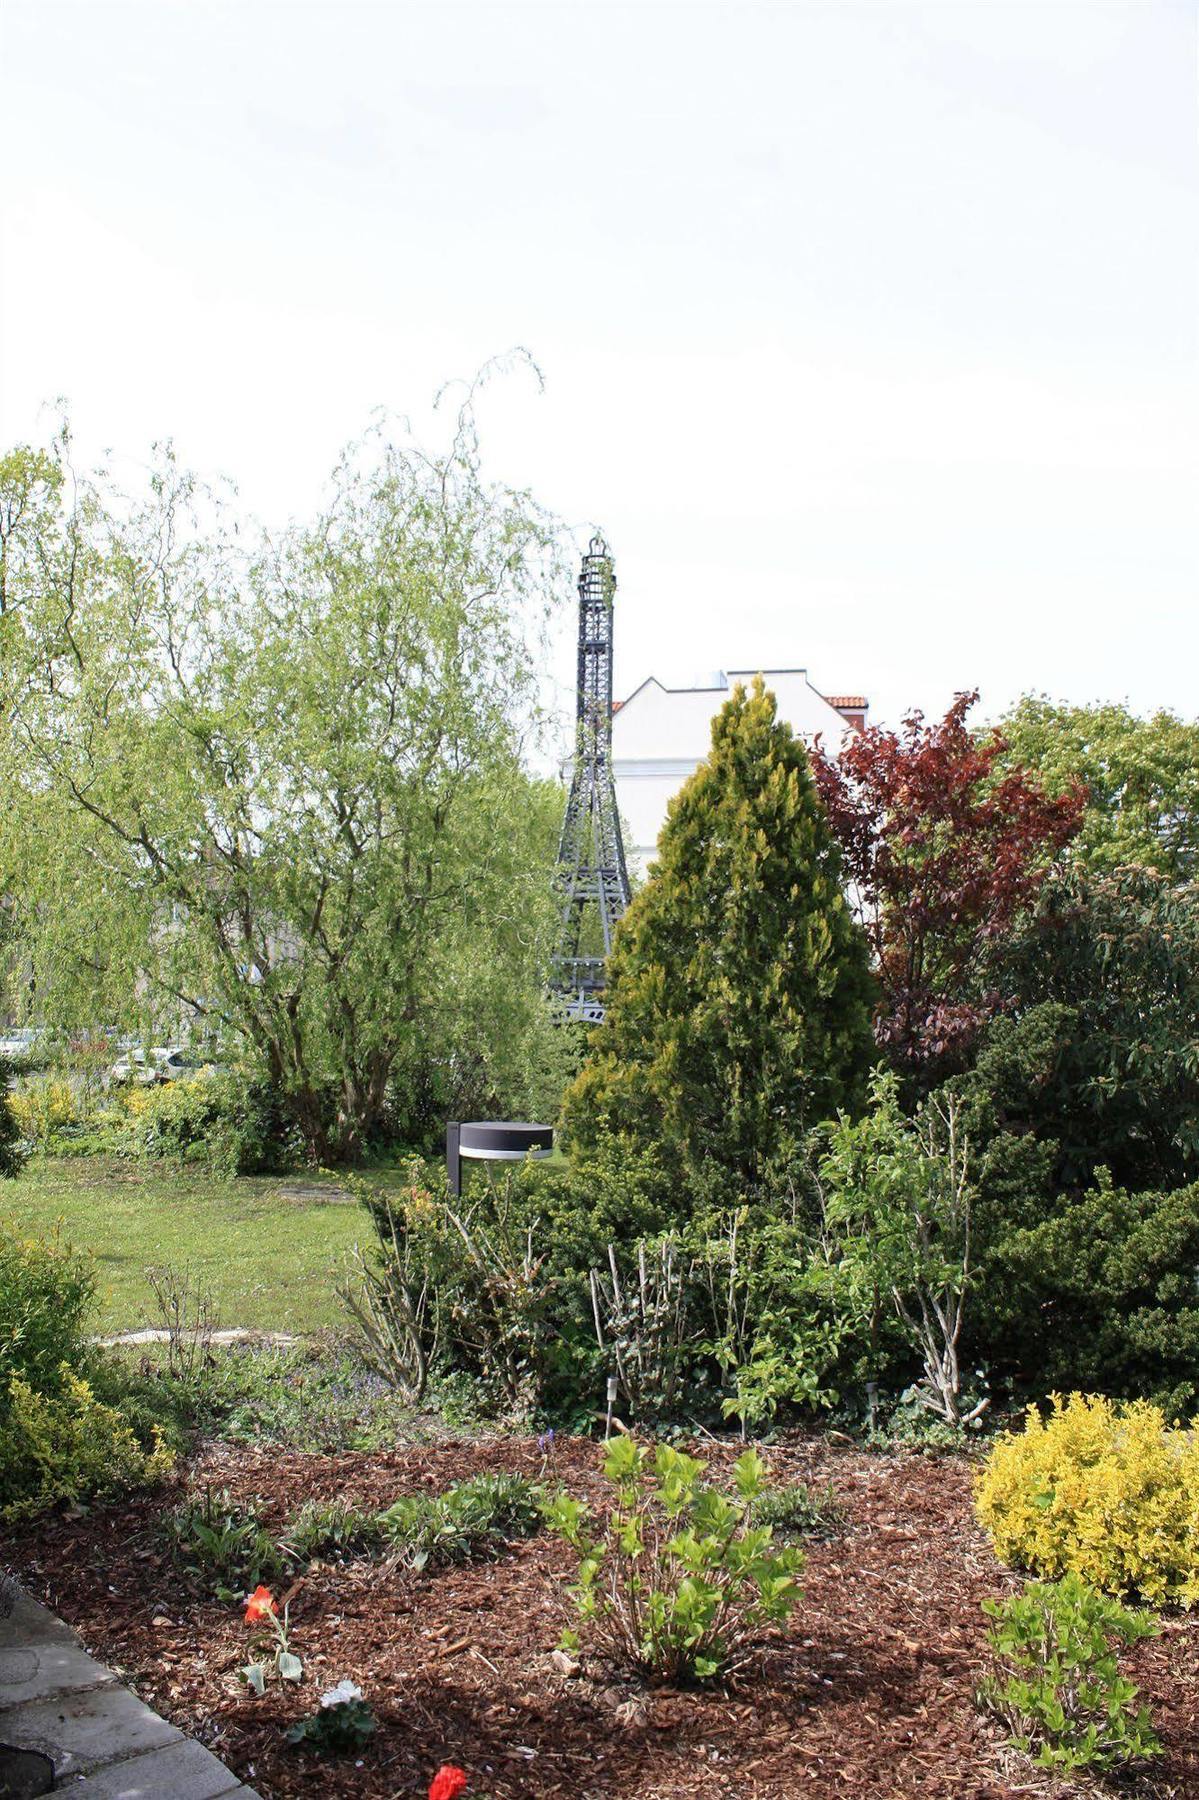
[{"x": 869, "y": 328}]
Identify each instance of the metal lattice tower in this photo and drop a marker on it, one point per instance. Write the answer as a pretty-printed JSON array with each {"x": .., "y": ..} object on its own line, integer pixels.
[{"x": 593, "y": 881}]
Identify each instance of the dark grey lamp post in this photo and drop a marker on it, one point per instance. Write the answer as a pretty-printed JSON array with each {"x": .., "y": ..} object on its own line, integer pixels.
[{"x": 492, "y": 1140}]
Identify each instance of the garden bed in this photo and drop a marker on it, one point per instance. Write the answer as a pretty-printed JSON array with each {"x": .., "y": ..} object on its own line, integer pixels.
[{"x": 868, "y": 1691}]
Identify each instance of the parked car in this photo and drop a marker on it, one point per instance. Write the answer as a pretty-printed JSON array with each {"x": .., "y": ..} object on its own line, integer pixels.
[
  {"x": 148, "y": 1068},
  {"x": 15, "y": 1044}
]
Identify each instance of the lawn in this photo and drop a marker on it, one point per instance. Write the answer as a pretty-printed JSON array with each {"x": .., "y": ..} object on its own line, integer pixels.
[{"x": 270, "y": 1262}]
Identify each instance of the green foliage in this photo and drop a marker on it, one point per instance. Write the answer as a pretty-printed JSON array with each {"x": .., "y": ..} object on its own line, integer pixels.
[
  {"x": 679, "y": 1580},
  {"x": 1111, "y": 1075},
  {"x": 738, "y": 994},
  {"x": 1141, "y": 777},
  {"x": 68, "y": 1445},
  {"x": 799, "y": 1511},
  {"x": 898, "y": 1220},
  {"x": 275, "y": 784},
  {"x": 331, "y": 1529},
  {"x": 1104, "y": 1295},
  {"x": 223, "y": 1543},
  {"x": 10, "y": 1130},
  {"x": 1057, "y": 1686},
  {"x": 229, "y": 1123},
  {"x": 46, "y": 1290},
  {"x": 303, "y": 1397},
  {"x": 340, "y": 1728},
  {"x": 473, "y": 1518}
]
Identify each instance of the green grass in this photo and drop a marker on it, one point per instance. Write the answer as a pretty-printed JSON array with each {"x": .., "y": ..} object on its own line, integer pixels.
[{"x": 269, "y": 1263}]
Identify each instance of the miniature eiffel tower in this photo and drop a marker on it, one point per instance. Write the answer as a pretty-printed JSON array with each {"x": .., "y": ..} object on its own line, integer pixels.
[{"x": 593, "y": 881}]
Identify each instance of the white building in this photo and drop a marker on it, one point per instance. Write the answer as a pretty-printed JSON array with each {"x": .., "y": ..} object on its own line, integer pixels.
[{"x": 661, "y": 735}]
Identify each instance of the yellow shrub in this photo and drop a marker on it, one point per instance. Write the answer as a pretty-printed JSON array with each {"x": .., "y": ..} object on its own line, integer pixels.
[
  {"x": 70, "y": 1446},
  {"x": 41, "y": 1107},
  {"x": 1101, "y": 1489}
]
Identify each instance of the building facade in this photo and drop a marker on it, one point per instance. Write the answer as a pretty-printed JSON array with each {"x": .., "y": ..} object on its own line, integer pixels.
[{"x": 661, "y": 735}]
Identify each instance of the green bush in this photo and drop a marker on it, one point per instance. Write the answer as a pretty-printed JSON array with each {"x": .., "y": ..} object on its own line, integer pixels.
[
  {"x": 69, "y": 1445},
  {"x": 1104, "y": 1296},
  {"x": 473, "y": 1518},
  {"x": 10, "y": 1130},
  {"x": 680, "y": 1578},
  {"x": 1057, "y": 1686},
  {"x": 46, "y": 1288},
  {"x": 228, "y": 1122}
]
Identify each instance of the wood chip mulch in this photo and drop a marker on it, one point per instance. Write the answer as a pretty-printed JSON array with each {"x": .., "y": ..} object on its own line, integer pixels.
[{"x": 867, "y": 1692}]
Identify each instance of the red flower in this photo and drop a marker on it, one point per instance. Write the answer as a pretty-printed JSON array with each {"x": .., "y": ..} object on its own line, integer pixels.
[
  {"x": 448, "y": 1783},
  {"x": 260, "y": 1606}
]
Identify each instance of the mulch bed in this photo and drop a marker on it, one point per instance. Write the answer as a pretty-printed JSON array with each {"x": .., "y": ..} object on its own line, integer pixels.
[{"x": 868, "y": 1691}]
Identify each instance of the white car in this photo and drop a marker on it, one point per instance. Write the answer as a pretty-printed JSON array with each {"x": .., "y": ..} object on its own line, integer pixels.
[
  {"x": 15, "y": 1045},
  {"x": 147, "y": 1069}
]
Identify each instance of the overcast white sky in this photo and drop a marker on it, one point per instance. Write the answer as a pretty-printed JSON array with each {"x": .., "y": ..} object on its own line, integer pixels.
[{"x": 869, "y": 327}]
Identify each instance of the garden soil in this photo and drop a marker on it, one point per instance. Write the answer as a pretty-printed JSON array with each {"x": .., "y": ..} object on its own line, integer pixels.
[{"x": 867, "y": 1691}]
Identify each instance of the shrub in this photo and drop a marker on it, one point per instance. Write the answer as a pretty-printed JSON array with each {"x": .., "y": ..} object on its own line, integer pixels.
[
  {"x": 1057, "y": 1686},
  {"x": 10, "y": 1129},
  {"x": 1101, "y": 1490},
  {"x": 46, "y": 1288},
  {"x": 42, "y": 1108},
  {"x": 70, "y": 1446},
  {"x": 228, "y": 1122},
  {"x": 1103, "y": 1295},
  {"x": 680, "y": 1579},
  {"x": 222, "y": 1542},
  {"x": 471, "y": 1519}
]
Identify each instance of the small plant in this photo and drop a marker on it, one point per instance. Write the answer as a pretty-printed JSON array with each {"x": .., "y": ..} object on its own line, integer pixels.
[
  {"x": 797, "y": 1510},
  {"x": 1098, "y": 1489},
  {"x": 188, "y": 1316},
  {"x": 1056, "y": 1685},
  {"x": 681, "y": 1579},
  {"x": 330, "y": 1528},
  {"x": 224, "y": 1544},
  {"x": 471, "y": 1519},
  {"x": 341, "y": 1727},
  {"x": 262, "y": 1615}
]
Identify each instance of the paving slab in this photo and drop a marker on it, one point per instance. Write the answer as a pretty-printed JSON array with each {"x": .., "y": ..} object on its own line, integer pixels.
[
  {"x": 81, "y": 1731},
  {"x": 25, "y": 1621},
  {"x": 104, "y": 1743},
  {"x": 183, "y": 1771},
  {"x": 39, "y": 1670}
]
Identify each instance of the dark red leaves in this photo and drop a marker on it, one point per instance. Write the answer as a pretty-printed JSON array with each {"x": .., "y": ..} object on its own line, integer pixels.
[{"x": 943, "y": 853}]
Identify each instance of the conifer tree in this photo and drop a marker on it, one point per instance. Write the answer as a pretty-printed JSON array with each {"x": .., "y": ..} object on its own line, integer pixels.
[{"x": 739, "y": 992}]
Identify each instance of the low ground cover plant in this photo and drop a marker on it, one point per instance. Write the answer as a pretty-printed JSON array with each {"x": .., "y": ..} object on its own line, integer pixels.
[
  {"x": 335, "y": 1530},
  {"x": 1056, "y": 1683},
  {"x": 1100, "y": 1489},
  {"x": 342, "y": 1726},
  {"x": 680, "y": 1580},
  {"x": 223, "y": 1543},
  {"x": 795, "y": 1510},
  {"x": 473, "y": 1518}
]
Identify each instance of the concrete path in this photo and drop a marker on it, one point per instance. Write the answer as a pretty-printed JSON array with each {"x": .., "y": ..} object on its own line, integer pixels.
[{"x": 104, "y": 1743}]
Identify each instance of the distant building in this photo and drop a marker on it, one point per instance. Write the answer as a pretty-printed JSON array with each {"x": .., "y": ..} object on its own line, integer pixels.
[{"x": 661, "y": 735}]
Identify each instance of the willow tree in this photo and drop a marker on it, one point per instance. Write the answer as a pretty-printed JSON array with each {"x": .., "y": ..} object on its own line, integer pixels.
[
  {"x": 739, "y": 995},
  {"x": 276, "y": 787}
]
